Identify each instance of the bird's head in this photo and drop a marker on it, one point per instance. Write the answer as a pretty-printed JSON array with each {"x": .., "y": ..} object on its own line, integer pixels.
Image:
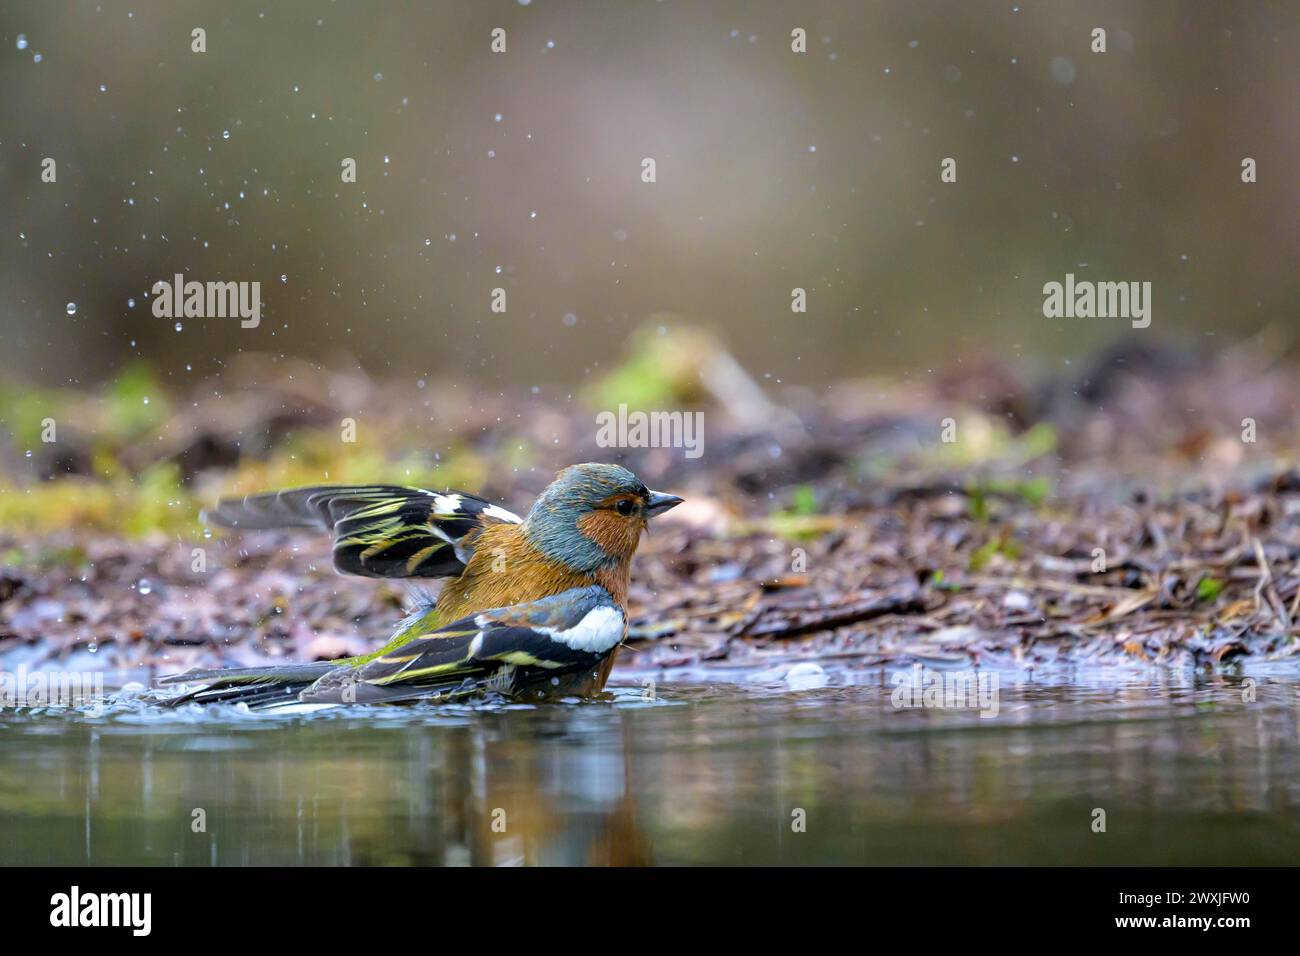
[{"x": 591, "y": 516}]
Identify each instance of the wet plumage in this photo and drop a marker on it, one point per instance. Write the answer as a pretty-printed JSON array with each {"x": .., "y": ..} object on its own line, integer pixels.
[{"x": 533, "y": 607}]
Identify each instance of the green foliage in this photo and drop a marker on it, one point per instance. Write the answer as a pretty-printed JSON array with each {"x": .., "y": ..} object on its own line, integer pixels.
[
  {"x": 1209, "y": 589},
  {"x": 986, "y": 552},
  {"x": 134, "y": 403},
  {"x": 1033, "y": 491},
  {"x": 804, "y": 501},
  {"x": 939, "y": 580}
]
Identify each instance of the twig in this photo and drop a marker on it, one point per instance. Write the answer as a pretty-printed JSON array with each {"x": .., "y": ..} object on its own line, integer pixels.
[{"x": 1269, "y": 589}]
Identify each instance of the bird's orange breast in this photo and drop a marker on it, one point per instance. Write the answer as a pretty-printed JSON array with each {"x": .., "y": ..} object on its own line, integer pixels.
[{"x": 506, "y": 569}]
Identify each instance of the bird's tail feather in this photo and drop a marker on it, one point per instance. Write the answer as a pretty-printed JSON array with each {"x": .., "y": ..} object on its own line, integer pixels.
[
  {"x": 269, "y": 691},
  {"x": 254, "y": 686}
]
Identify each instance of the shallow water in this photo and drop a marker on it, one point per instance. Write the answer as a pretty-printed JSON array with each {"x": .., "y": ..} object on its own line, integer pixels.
[{"x": 1185, "y": 769}]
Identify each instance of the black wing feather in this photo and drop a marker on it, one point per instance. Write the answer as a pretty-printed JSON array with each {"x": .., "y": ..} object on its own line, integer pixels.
[{"x": 380, "y": 531}]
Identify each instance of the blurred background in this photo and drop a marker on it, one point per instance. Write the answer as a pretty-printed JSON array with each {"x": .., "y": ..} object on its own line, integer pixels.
[
  {"x": 834, "y": 529},
  {"x": 523, "y": 170}
]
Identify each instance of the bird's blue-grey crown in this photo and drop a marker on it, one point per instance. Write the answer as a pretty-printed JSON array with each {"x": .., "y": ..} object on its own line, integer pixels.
[{"x": 578, "y": 491}]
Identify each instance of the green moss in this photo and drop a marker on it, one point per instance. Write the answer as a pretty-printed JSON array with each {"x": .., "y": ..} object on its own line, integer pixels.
[
  {"x": 130, "y": 491},
  {"x": 663, "y": 369},
  {"x": 28, "y": 408},
  {"x": 792, "y": 527},
  {"x": 984, "y": 440}
]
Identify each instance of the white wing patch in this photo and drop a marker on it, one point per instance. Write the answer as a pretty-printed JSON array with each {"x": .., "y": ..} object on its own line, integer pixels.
[
  {"x": 502, "y": 515},
  {"x": 599, "y": 630},
  {"x": 450, "y": 505},
  {"x": 446, "y": 504}
]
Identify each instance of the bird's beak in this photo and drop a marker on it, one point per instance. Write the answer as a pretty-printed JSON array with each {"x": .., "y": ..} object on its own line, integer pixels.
[{"x": 660, "y": 502}]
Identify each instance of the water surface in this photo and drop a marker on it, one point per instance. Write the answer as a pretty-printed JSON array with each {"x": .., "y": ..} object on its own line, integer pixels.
[{"x": 1187, "y": 769}]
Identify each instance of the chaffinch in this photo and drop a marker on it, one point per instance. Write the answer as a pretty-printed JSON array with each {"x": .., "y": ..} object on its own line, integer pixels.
[{"x": 535, "y": 607}]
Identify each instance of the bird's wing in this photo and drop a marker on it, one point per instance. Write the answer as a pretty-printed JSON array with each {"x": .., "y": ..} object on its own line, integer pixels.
[
  {"x": 380, "y": 531},
  {"x": 562, "y": 634}
]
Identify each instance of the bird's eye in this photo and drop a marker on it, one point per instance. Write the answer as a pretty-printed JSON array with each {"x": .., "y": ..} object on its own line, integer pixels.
[{"x": 624, "y": 506}]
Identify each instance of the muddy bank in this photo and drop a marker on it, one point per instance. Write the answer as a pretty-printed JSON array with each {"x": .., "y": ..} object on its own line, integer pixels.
[{"x": 1144, "y": 509}]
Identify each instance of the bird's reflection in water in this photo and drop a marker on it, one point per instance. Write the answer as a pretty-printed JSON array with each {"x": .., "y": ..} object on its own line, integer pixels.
[{"x": 533, "y": 800}]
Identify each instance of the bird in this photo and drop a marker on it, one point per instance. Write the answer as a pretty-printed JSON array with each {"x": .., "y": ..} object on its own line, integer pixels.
[{"x": 533, "y": 608}]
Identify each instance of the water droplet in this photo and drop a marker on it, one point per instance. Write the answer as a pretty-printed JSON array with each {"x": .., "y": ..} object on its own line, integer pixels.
[
  {"x": 1062, "y": 70},
  {"x": 497, "y": 118},
  {"x": 92, "y": 648},
  {"x": 22, "y": 41},
  {"x": 103, "y": 88},
  {"x": 144, "y": 586},
  {"x": 130, "y": 303},
  {"x": 72, "y": 308},
  {"x": 284, "y": 278},
  {"x": 179, "y": 326},
  {"x": 225, "y": 134},
  {"x": 36, "y": 58}
]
